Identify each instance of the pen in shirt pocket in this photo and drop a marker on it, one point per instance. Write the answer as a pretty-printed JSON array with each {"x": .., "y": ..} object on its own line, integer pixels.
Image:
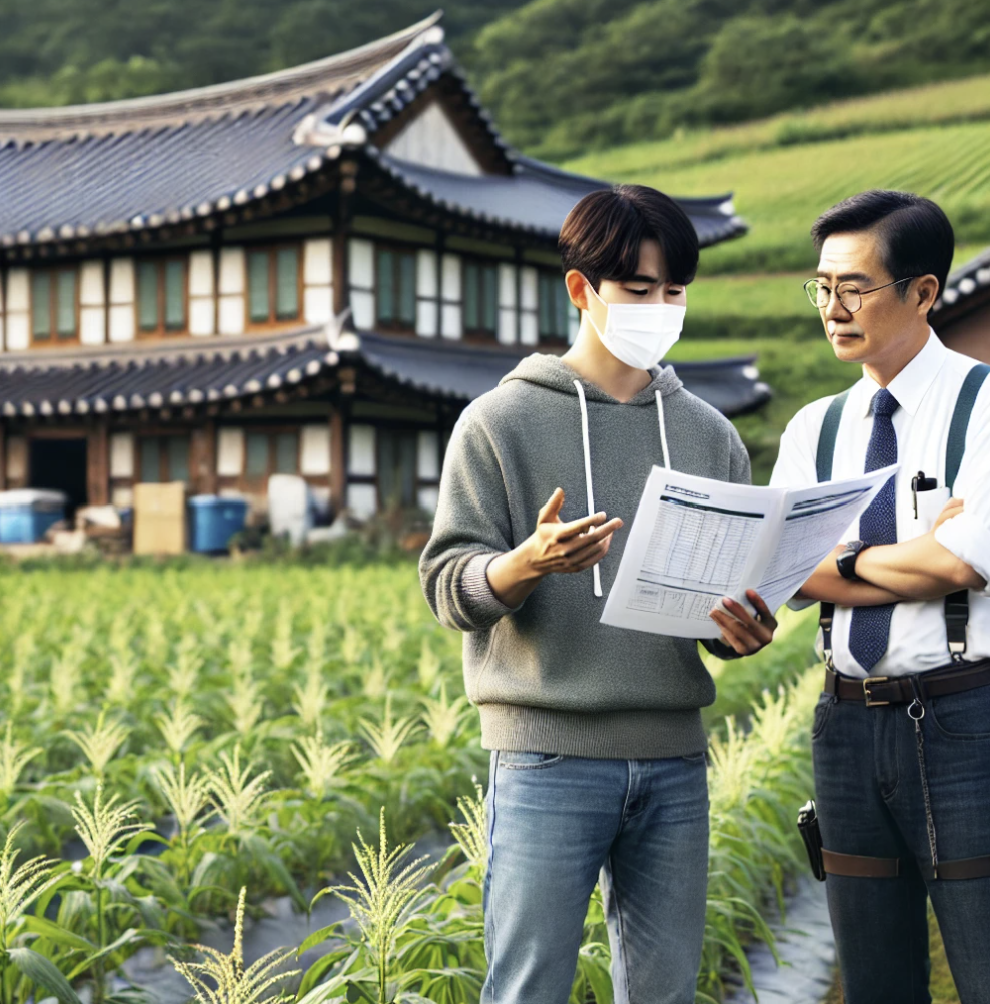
[{"x": 921, "y": 484}]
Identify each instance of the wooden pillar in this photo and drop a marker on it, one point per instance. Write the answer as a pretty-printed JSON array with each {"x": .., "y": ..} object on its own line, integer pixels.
[
  {"x": 338, "y": 462},
  {"x": 203, "y": 447},
  {"x": 3, "y": 455},
  {"x": 341, "y": 233},
  {"x": 98, "y": 464}
]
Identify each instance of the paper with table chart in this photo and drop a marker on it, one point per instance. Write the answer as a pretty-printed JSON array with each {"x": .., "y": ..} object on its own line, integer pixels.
[{"x": 695, "y": 540}]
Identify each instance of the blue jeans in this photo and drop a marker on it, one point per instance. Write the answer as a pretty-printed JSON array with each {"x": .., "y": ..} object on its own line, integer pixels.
[
  {"x": 870, "y": 801},
  {"x": 557, "y": 824}
]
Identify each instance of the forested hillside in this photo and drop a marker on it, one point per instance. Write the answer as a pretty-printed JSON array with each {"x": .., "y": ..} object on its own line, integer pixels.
[{"x": 560, "y": 76}]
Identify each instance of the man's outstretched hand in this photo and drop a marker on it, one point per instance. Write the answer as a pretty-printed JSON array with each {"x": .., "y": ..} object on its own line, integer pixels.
[
  {"x": 554, "y": 547},
  {"x": 743, "y": 632}
]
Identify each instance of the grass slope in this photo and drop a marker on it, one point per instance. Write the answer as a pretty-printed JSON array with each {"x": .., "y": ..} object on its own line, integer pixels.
[{"x": 781, "y": 188}]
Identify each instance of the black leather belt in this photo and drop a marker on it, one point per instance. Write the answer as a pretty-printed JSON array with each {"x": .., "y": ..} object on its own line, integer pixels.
[{"x": 877, "y": 691}]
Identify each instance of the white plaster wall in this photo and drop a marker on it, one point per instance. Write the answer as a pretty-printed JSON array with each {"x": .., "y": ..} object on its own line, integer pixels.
[
  {"x": 201, "y": 273},
  {"x": 529, "y": 287},
  {"x": 450, "y": 269},
  {"x": 363, "y": 309},
  {"x": 122, "y": 323},
  {"x": 232, "y": 270},
  {"x": 427, "y": 497},
  {"x": 318, "y": 304},
  {"x": 122, "y": 455},
  {"x": 202, "y": 301},
  {"x": 432, "y": 139},
  {"x": 507, "y": 325},
  {"x": 529, "y": 328},
  {"x": 426, "y": 273},
  {"x": 318, "y": 262},
  {"x": 360, "y": 263},
  {"x": 91, "y": 284},
  {"x": 92, "y": 325},
  {"x": 202, "y": 315},
  {"x": 427, "y": 455},
  {"x": 452, "y": 321},
  {"x": 18, "y": 329},
  {"x": 230, "y": 452},
  {"x": 231, "y": 315},
  {"x": 362, "y": 500},
  {"x": 122, "y": 281},
  {"x": 426, "y": 318},
  {"x": 361, "y": 450},
  {"x": 314, "y": 453}
]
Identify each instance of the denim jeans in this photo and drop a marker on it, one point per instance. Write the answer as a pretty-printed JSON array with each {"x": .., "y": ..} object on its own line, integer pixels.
[
  {"x": 870, "y": 801},
  {"x": 559, "y": 823}
]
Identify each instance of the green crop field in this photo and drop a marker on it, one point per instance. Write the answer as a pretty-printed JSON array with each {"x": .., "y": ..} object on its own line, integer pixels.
[
  {"x": 780, "y": 189},
  {"x": 179, "y": 744}
]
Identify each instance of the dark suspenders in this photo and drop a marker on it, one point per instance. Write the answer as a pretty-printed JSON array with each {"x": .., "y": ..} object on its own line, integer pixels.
[{"x": 956, "y": 604}]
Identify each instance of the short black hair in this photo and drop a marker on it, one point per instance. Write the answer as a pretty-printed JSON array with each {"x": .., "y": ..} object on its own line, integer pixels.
[
  {"x": 916, "y": 237},
  {"x": 602, "y": 234}
]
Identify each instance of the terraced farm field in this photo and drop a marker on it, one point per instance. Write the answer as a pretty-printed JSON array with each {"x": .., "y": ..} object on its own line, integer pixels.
[{"x": 782, "y": 189}]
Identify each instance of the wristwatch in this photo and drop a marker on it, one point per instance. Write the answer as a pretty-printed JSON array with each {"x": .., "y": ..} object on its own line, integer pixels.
[{"x": 846, "y": 562}]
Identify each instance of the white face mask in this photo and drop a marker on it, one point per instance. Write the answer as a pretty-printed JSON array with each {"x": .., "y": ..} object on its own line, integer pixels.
[{"x": 639, "y": 334}]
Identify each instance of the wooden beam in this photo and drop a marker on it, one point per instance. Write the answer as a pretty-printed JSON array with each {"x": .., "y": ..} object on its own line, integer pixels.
[
  {"x": 338, "y": 462},
  {"x": 204, "y": 461},
  {"x": 98, "y": 464}
]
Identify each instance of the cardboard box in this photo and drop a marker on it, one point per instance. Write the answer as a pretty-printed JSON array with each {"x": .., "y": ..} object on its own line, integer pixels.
[{"x": 160, "y": 518}]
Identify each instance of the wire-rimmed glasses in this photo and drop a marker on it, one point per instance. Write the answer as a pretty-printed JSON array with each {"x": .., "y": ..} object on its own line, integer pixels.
[{"x": 848, "y": 295}]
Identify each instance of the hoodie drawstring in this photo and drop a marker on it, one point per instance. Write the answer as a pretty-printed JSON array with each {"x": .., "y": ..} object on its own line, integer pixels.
[{"x": 587, "y": 460}]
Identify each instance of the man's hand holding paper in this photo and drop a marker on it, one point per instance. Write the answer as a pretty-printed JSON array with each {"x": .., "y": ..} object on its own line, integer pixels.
[{"x": 695, "y": 540}]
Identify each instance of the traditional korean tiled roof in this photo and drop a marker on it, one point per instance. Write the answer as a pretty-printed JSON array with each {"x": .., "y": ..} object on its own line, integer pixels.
[
  {"x": 537, "y": 197},
  {"x": 964, "y": 283},
  {"x": 95, "y": 172},
  {"x": 463, "y": 372},
  {"x": 106, "y": 380}
]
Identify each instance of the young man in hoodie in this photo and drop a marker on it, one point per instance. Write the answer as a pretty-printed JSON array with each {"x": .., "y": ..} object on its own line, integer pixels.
[{"x": 597, "y": 747}]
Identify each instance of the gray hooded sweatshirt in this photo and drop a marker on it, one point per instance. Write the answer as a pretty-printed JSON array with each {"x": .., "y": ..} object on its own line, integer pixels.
[{"x": 546, "y": 676}]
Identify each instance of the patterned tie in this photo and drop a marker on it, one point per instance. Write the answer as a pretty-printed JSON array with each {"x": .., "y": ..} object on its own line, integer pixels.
[{"x": 870, "y": 627}]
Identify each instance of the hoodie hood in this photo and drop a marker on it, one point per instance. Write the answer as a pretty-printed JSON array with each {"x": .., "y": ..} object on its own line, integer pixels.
[{"x": 552, "y": 372}]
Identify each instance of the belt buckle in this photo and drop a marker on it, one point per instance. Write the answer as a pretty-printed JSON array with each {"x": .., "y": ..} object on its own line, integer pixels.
[{"x": 867, "y": 694}]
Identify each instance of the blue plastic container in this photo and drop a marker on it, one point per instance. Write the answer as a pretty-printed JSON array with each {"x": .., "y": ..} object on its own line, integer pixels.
[
  {"x": 26, "y": 513},
  {"x": 213, "y": 520}
]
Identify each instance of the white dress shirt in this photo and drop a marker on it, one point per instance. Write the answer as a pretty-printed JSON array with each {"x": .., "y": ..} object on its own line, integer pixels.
[{"x": 926, "y": 390}]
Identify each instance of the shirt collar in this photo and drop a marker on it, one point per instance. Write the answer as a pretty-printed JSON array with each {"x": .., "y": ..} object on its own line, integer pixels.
[{"x": 912, "y": 383}]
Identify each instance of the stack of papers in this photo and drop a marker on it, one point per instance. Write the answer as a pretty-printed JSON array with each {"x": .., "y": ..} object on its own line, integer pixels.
[{"x": 695, "y": 540}]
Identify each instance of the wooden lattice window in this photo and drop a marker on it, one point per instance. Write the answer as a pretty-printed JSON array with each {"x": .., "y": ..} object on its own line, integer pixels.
[
  {"x": 161, "y": 296},
  {"x": 553, "y": 306},
  {"x": 54, "y": 306},
  {"x": 274, "y": 284},
  {"x": 395, "y": 288},
  {"x": 480, "y": 280}
]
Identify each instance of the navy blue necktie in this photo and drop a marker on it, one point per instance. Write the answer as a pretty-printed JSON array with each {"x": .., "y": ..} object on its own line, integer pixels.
[{"x": 870, "y": 627}]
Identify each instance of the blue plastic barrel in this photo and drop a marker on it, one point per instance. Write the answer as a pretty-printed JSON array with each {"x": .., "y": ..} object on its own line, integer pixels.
[
  {"x": 213, "y": 520},
  {"x": 27, "y": 513}
]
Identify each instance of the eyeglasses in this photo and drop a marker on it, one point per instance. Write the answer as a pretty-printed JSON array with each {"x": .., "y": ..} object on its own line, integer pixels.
[{"x": 849, "y": 296}]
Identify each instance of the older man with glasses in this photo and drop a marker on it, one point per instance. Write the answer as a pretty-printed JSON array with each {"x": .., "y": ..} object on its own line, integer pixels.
[{"x": 901, "y": 734}]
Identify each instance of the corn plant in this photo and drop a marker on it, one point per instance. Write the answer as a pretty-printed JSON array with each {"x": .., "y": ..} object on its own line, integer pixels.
[
  {"x": 312, "y": 697},
  {"x": 322, "y": 764},
  {"x": 238, "y": 798},
  {"x": 178, "y": 727},
  {"x": 20, "y": 887},
  {"x": 187, "y": 798},
  {"x": 442, "y": 717},
  {"x": 99, "y": 742},
  {"x": 14, "y": 757},
  {"x": 382, "y": 903},
  {"x": 386, "y": 738},
  {"x": 223, "y": 979}
]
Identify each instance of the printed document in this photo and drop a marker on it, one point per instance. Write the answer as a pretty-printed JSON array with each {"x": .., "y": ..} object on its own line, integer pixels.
[{"x": 695, "y": 540}]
